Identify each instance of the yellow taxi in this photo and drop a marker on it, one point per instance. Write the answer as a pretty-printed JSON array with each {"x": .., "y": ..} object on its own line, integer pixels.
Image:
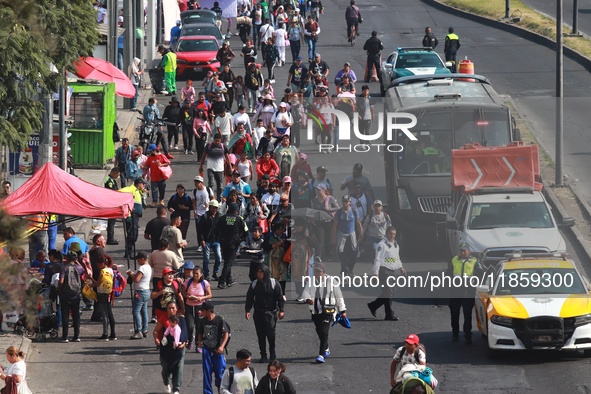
[{"x": 534, "y": 302}]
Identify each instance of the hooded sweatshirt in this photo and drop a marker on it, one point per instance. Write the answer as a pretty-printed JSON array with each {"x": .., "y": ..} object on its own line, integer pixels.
[{"x": 264, "y": 296}]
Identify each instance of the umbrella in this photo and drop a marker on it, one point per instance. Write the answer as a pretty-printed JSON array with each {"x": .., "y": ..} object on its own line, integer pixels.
[
  {"x": 101, "y": 70},
  {"x": 343, "y": 321},
  {"x": 314, "y": 214}
]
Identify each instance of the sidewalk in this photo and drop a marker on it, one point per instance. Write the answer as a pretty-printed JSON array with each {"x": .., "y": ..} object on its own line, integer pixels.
[{"x": 9, "y": 339}]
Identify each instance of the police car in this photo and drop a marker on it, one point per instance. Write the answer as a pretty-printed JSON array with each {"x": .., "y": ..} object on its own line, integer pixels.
[
  {"x": 405, "y": 62},
  {"x": 534, "y": 302}
]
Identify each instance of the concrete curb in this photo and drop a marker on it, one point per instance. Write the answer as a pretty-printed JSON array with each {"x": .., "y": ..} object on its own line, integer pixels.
[
  {"x": 518, "y": 31},
  {"x": 20, "y": 341}
]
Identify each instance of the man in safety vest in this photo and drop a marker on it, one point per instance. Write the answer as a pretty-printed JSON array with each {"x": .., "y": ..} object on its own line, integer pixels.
[
  {"x": 452, "y": 44},
  {"x": 169, "y": 66},
  {"x": 132, "y": 222},
  {"x": 462, "y": 265}
]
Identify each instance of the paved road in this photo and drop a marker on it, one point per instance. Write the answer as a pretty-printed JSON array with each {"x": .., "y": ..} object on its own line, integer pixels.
[
  {"x": 360, "y": 357},
  {"x": 549, "y": 8}
]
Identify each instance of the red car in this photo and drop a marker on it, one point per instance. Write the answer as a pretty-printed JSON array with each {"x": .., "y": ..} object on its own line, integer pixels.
[{"x": 196, "y": 54}]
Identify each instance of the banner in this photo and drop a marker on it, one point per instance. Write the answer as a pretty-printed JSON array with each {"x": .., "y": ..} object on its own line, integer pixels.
[{"x": 229, "y": 7}]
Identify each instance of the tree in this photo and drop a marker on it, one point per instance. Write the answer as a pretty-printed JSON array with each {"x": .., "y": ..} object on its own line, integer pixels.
[{"x": 36, "y": 37}]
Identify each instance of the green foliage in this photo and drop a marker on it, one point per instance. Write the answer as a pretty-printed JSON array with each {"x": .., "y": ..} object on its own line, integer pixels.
[{"x": 35, "y": 37}]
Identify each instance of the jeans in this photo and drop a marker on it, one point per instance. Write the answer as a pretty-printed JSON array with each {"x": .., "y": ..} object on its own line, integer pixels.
[
  {"x": 158, "y": 188},
  {"x": 105, "y": 308},
  {"x": 133, "y": 101},
  {"x": 192, "y": 319},
  {"x": 295, "y": 46},
  {"x": 253, "y": 96},
  {"x": 311, "y": 47},
  {"x": 218, "y": 177},
  {"x": 212, "y": 363},
  {"x": 174, "y": 368},
  {"x": 68, "y": 306},
  {"x": 140, "y": 310},
  {"x": 255, "y": 34},
  {"x": 217, "y": 255}
]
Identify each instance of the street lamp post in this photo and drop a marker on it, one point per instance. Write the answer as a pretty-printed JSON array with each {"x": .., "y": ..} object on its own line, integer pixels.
[{"x": 559, "y": 96}]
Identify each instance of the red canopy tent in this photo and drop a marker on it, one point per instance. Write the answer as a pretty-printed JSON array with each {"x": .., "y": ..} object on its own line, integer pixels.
[{"x": 54, "y": 191}]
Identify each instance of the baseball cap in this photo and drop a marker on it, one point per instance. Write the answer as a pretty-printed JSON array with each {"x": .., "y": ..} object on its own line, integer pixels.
[
  {"x": 152, "y": 147},
  {"x": 233, "y": 208},
  {"x": 358, "y": 166},
  {"x": 135, "y": 152},
  {"x": 75, "y": 247},
  {"x": 198, "y": 178},
  {"x": 347, "y": 64},
  {"x": 298, "y": 58},
  {"x": 214, "y": 203},
  {"x": 167, "y": 270},
  {"x": 72, "y": 255},
  {"x": 268, "y": 97},
  {"x": 188, "y": 266},
  {"x": 464, "y": 246},
  {"x": 413, "y": 339},
  {"x": 346, "y": 198},
  {"x": 321, "y": 168},
  {"x": 207, "y": 306},
  {"x": 141, "y": 255},
  {"x": 235, "y": 172},
  {"x": 180, "y": 185},
  {"x": 283, "y": 105},
  {"x": 287, "y": 178},
  {"x": 377, "y": 202},
  {"x": 304, "y": 156}
]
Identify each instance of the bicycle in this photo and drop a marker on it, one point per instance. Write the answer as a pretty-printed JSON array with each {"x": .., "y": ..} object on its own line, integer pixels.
[{"x": 352, "y": 34}]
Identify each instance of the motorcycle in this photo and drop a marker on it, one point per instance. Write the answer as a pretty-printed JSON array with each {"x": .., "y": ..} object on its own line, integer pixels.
[{"x": 149, "y": 132}]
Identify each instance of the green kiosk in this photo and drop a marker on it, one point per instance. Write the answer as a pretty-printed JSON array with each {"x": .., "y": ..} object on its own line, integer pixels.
[{"x": 93, "y": 110}]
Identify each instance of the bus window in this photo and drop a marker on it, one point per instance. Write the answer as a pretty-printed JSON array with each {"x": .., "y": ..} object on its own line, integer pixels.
[
  {"x": 466, "y": 128},
  {"x": 431, "y": 154},
  {"x": 496, "y": 128}
]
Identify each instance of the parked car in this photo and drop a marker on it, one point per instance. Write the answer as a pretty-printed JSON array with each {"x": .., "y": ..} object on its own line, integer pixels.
[
  {"x": 202, "y": 29},
  {"x": 534, "y": 302},
  {"x": 196, "y": 54},
  {"x": 411, "y": 61}
]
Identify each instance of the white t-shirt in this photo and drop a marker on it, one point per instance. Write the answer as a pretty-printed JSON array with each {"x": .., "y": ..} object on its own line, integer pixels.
[
  {"x": 144, "y": 283},
  {"x": 243, "y": 381},
  {"x": 19, "y": 368},
  {"x": 201, "y": 198},
  {"x": 405, "y": 358},
  {"x": 267, "y": 31},
  {"x": 244, "y": 168},
  {"x": 242, "y": 118},
  {"x": 224, "y": 124},
  {"x": 279, "y": 37}
]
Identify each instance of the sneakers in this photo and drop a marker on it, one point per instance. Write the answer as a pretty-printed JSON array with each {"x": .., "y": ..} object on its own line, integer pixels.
[
  {"x": 320, "y": 359},
  {"x": 190, "y": 152},
  {"x": 162, "y": 202},
  {"x": 113, "y": 242},
  {"x": 215, "y": 277},
  {"x": 221, "y": 286},
  {"x": 300, "y": 299},
  {"x": 103, "y": 337},
  {"x": 232, "y": 283},
  {"x": 326, "y": 353},
  {"x": 272, "y": 81},
  {"x": 154, "y": 204},
  {"x": 145, "y": 334},
  {"x": 198, "y": 349},
  {"x": 186, "y": 152},
  {"x": 169, "y": 156},
  {"x": 176, "y": 147},
  {"x": 64, "y": 340},
  {"x": 113, "y": 337},
  {"x": 75, "y": 340},
  {"x": 264, "y": 359},
  {"x": 87, "y": 308},
  {"x": 154, "y": 320},
  {"x": 137, "y": 335},
  {"x": 167, "y": 389}
]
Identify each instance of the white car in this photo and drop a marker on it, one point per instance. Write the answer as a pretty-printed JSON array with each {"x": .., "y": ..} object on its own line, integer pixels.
[
  {"x": 534, "y": 302},
  {"x": 496, "y": 223}
]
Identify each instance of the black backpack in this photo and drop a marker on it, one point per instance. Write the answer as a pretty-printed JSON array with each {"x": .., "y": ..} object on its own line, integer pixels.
[
  {"x": 72, "y": 282},
  {"x": 231, "y": 377}
]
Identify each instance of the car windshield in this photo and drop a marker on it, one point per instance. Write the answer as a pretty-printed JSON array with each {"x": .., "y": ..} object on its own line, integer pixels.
[
  {"x": 197, "y": 45},
  {"x": 201, "y": 30},
  {"x": 510, "y": 214},
  {"x": 540, "y": 281},
  {"x": 411, "y": 60},
  {"x": 194, "y": 18},
  {"x": 439, "y": 132}
]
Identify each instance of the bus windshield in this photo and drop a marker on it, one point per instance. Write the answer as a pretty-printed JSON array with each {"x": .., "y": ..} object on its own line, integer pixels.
[{"x": 440, "y": 132}]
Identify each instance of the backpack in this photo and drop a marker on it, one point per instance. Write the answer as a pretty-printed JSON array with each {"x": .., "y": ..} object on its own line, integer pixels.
[
  {"x": 420, "y": 346},
  {"x": 72, "y": 283},
  {"x": 231, "y": 377},
  {"x": 175, "y": 284},
  {"x": 191, "y": 281},
  {"x": 119, "y": 283},
  {"x": 106, "y": 285},
  {"x": 254, "y": 283},
  {"x": 254, "y": 80}
]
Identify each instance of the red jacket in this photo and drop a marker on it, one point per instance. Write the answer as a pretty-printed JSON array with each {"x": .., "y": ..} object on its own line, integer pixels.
[
  {"x": 152, "y": 163},
  {"x": 269, "y": 167}
]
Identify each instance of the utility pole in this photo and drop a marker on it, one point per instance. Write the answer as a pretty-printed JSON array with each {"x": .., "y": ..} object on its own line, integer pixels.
[
  {"x": 559, "y": 96},
  {"x": 138, "y": 28},
  {"x": 63, "y": 139},
  {"x": 508, "y": 9},
  {"x": 46, "y": 133},
  {"x": 128, "y": 40},
  {"x": 151, "y": 34},
  {"x": 112, "y": 52}
]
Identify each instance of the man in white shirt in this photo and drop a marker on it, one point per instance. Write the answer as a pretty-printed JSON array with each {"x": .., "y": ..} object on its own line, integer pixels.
[
  {"x": 200, "y": 202},
  {"x": 242, "y": 117},
  {"x": 240, "y": 378},
  {"x": 386, "y": 264},
  {"x": 266, "y": 31},
  {"x": 173, "y": 235},
  {"x": 223, "y": 126}
]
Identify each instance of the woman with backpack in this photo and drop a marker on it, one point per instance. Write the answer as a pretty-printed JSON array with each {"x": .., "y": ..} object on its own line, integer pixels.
[
  {"x": 196, "y": 290},
  {"x": 104, "y": 293}
]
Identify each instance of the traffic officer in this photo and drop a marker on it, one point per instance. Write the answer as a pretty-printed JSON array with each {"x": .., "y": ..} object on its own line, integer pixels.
[
  {"x": 386, "y": 264},
  {"x": 462, "y": 265},
  {"x": 229, "y": 230},
  {"x": 452, "y": 44},
  {"x": 133, "y": 221}
]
